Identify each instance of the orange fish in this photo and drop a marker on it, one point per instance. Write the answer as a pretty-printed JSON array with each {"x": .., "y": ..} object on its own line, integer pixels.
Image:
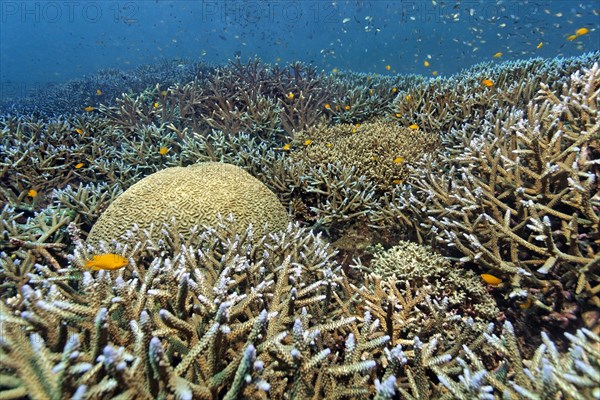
[
  {"x": 414, "y": 127},
  {"x": 487, "y": 83},
  {"x": 491, "y": 279},
  {"x": 89, "y": 108},
  {"x": 163, "y": 151},
  {"x": 106, "y": 261}
]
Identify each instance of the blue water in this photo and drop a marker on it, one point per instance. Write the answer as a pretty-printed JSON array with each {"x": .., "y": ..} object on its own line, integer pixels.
[{"x": 44, "y": 43}]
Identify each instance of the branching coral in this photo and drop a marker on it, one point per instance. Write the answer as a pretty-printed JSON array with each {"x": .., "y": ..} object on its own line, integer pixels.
[{"x": 518, "y": 195}]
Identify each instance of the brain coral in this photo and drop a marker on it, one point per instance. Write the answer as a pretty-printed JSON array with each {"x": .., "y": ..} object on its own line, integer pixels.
[{"x": 193, "y": 195}]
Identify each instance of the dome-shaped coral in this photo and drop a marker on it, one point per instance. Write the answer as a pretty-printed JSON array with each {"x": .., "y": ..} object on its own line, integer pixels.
[{"x": 193, "y": 195}]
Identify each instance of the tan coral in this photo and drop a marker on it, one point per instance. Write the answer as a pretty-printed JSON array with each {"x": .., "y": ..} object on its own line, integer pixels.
[
  {"x": 418, "y": 264},
  {"x": 193, "y": 195},
  {"x": 379, "y": 149}
]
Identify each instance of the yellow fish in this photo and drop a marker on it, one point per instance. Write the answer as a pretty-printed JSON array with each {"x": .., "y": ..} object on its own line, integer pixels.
[
  {"x": 398, "y": 160},
  {"x": 539, "y": 46},
  {"x": 290, "y": 96},
  {"x": 497, "y": 55},
  {"x": 163, "y": 151},
  {"x": 98, "y": 92},
  {"x": 571, "y": 38},
  {"x": 308, "y": 142},
  {"x": 426, "y": 63},
  {"x": 414, "y": 127},
  {"x": 32, "y": 193},
  {"x": 106, "y": 261},
  {"x": 487, "y": 83},
  {"x": 491, "y": 279},
  {"x": 582, "y": 31},
  {"x": 80, "y": 165},
  {"x": 89, "y": 108},
  {"x": 286, "y": 147},
  {"x": 388, "y": 67}
]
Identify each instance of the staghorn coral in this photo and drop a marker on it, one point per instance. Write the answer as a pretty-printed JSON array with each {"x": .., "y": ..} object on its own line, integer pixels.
[
  {"x": 443, "y": 104},
  {"x": 73, "y": 96},
  {"x": 194, "y": 196},
  {"x": 518, "y": 196}
]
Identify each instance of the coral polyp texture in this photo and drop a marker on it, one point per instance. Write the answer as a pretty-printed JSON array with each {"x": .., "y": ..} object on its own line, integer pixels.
[
  {"x": 425, "y": 238},
  {"x": 192, "y": 196}
]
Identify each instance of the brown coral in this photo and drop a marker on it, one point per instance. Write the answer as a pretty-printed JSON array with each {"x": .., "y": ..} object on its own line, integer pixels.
[{"x": 195, "y": 195}]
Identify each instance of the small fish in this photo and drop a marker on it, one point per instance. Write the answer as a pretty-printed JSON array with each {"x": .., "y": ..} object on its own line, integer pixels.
[
  {"x": 106, "y": 261},
  {"x": 397, "y": 181},
  {"x": 327, "y": 106},
  {"x": 388, "y": 67},
  {"x": 435, "y": 73},
  {"x": 163, "y": 93},
  {"x": 79, "y": 131},
  {"x": 372, "y": 92},
  {"x": 539, "y": 46},
  {"x": 77, "y": 166},
  {"x": 308, "y": 142},
  {"x": 582, "y": 31},
  {"x": 398, "y": 160},
  {"x": 163, "y": 151},
  {"x": 571, "y": 38},
  {"x": 98, "y": 92},
  {"x": 408, "y": 97},
  {"x": 32, "y": 193},
  {"x": 286, "y": 147},
  {"x": 526, "y": 304},
  {"x": 394, "y": 90},
  {"x": 491, "y": 279},
  {"x": 398, "y": 115},
  {"x": 414, "y": 127},
  {"x": 346, "y": 107},
  {"x": 290, "y": 96},
  {"x": 89, "y": 109},
  {"x": 329, "y": 145},
  {"x": 346, "y": 20},
  {"x": 156, "y": 105},
  {"x": 498, "y": 55},
  {"x": 426, "y": 63},
  {"x": 335, "y": 70},
  {"x": 487, "y": 83}
]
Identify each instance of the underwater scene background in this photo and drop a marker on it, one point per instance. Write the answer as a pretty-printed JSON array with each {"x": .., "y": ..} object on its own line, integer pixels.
[{"x": 300, "y": 199}]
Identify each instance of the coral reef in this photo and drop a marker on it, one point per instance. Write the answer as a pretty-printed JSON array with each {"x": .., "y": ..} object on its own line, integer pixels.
[
  {"x": 192, "y": 196},
  {"x": 499, "y": 179}
]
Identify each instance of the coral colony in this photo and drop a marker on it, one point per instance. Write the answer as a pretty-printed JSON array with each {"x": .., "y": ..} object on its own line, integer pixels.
[{"x": 260, "y": 231}]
